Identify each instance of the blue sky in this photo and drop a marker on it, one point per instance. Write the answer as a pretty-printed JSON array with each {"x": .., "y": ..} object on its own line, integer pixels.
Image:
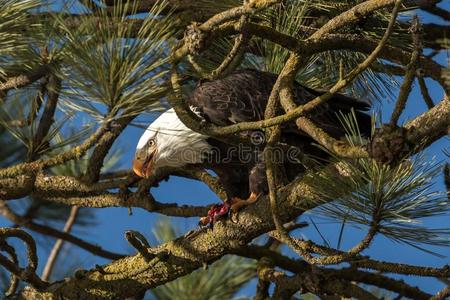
[{"x": 113, "y": 222}]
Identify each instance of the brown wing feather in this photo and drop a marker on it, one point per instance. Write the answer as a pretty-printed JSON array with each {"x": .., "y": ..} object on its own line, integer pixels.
[{"x": 242, "y": 96}]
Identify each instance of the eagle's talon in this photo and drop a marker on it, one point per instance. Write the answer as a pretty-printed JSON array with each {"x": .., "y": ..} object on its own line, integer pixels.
[
  {"x": 237, "y": 202},
  {"x": 234, "y": 216}
]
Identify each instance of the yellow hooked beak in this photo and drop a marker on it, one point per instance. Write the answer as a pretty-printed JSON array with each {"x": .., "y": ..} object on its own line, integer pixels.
[{"x": 143, "y": 168}]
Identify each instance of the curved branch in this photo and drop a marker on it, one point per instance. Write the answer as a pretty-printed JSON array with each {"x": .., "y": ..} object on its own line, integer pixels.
[
  {"x": 352, "y": 15},
  {"x": 14, "y": 281},
  {"x": 29, "y": 273},
  {"x": 97, "y": 250}
]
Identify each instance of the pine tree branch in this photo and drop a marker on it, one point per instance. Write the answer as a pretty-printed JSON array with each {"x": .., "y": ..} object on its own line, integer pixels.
[
  {"x": 405, "y": 269},
  {"x": 312, "y": 282},
  {"x": 437, "y": 11},
  {"x": 14, "y": 281},
  {"x": 364, "y": 262},
  {"x": 410, "y": 74},
  {"x": 102, "y": 147},
  {"x": 72, "y": 191},
  {"x": 58, "y": 244},
  {"x": 425, "y": 94},
  {"x": 46, "y": 230},
  {"x": 47, "y": 119},
  {"x": 137, "y": 200},
  {"x": 41, "y": 164},
  {"x": 189, "y": 253},
  {"x": 349, "y": 274},
  {"x": 442, "y": 294},
  {"x": 354, "y": 14},
  {"x": 29, "y": 273},
  {"x": 25, "y": 79}
]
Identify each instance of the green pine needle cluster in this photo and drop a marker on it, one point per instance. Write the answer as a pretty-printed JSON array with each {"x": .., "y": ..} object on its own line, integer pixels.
[
  {"x": 399, "y": 198},
  {"x": 114, "y": 63},
  {"x": 17, "y": 31}
]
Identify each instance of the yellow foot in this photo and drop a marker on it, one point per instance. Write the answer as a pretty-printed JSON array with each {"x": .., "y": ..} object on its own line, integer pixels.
[{"x": 237, "y": 203}]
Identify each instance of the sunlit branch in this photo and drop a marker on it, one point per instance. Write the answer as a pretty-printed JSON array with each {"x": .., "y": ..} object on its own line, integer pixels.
[{"x": 408, "y": 79}]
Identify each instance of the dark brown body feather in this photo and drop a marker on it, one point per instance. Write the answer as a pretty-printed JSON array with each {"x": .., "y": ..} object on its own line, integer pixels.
[{"x": 241, "y": 97}]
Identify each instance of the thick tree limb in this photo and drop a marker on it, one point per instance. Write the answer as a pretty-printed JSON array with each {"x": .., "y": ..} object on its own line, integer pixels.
[{"x": 186, "y": 254}]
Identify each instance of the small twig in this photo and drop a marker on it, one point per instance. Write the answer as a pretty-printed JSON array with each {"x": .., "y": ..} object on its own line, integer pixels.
[
  {"x": 140, "y": 243},
  {"x": 46, "y": 230},
  {"x": 338, "y": 147},
  {"x": 354, "y": 14},
  {"x": 236, "y": 53},
  {"x": 102, "y": 146},
  {"x": 20, "y": 81},
  {"x": 405, "y": 88},
  {"x": 52, "y": 88},
  {"x": 425, "y": 94},
  {"x": 447, "y": 179},
  {"x": 29, "y": 273},
  {"x": 314, "y": 282},
  {"x": 229, "y": 63},
  {"x": 14, "y": 281},
  {"x": 58, "y": 244},
  {"x": 437, "y": 11}
]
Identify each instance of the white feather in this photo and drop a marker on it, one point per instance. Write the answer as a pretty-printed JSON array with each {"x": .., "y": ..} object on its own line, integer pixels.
[{"x": 177, "y": 144}]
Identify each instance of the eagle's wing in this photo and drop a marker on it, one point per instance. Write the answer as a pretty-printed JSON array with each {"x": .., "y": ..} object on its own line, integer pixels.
[
  {"x": 239, "y": 97},
  {"x": 242, "y": 96}
]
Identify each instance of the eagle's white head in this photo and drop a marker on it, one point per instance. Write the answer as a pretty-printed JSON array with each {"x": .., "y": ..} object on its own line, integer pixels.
[{"x": 167, "y": 142}]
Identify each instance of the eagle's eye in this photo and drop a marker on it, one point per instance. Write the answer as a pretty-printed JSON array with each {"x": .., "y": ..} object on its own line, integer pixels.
[{"x": 151, "y": 142}]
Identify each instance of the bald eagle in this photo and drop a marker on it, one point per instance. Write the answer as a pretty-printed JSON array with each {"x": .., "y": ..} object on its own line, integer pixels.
[{"x": 239, "y": 97}]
